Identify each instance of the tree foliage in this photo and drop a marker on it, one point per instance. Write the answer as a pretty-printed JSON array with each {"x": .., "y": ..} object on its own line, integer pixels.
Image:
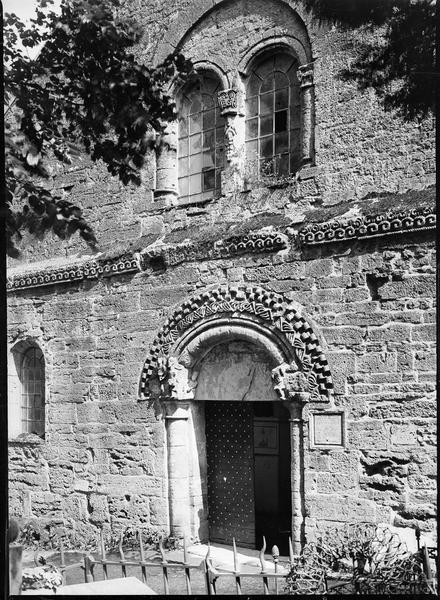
[
  {"x": 401, "y": 68},
  {"x": 85, "y": 90}
]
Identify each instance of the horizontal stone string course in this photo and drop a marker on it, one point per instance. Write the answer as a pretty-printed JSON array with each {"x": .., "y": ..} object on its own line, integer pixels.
[
  {"x": 369, "y": 226},
  {"x": 251, "y": 243},
  {"x": 89, "y": 270},
  {"x": 270, "y": 307}
]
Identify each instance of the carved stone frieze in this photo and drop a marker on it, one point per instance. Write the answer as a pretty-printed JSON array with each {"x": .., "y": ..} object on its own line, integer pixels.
[
  {"x": 190, "y": 251},
  {"x": 76, "y": 272},
  {"x": 392, "y": 222},
  {"x": 173, "y": 255},
  {"x": 274, "y": 312}
]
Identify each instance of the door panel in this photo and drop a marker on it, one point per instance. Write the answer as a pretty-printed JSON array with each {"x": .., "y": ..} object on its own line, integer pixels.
[
  {"x": 230, "y": 472},
  {"x": 272, "y": 480}
]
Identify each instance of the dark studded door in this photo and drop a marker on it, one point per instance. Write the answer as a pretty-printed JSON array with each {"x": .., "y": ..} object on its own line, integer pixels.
[{"x": 229, "y": 443}]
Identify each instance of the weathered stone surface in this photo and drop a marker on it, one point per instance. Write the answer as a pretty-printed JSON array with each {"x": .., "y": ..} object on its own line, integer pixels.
[
  {"x": 332, "y": 507},
  {"x": 104, "y": 458}
]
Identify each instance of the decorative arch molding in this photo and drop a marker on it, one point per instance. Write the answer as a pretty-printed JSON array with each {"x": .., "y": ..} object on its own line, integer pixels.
[
  {"x": 190, "y": 20},
  {"x": 253, "y": 314},
  {"x": 289, "y": 43}
]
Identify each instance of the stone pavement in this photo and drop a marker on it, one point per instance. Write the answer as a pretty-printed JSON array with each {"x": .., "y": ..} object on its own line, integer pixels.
[
  {"x": 223, "y": 558},
  {"x": 123, "y": 586}
]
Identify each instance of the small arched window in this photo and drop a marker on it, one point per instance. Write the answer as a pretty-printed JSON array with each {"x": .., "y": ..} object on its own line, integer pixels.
[
  {"x": 273, "y": 115},
  {"x": 201, "y": 140},
  {"x": 32, "y": 380}
]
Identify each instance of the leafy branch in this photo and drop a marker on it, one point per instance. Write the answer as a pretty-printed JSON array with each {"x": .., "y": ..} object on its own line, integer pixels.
[{"x": 85, "y": 91}]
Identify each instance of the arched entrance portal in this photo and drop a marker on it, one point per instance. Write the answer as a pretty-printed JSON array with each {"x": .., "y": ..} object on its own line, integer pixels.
[
  {"x": 247, "y": 437},
  {"x": 192, "y": 364}
]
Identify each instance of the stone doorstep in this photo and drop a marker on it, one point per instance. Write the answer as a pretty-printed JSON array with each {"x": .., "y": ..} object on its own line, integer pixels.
[{"x": 223, "y": 558}]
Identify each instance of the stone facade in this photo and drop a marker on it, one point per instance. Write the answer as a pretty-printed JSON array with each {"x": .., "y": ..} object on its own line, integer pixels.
[{"x": 330, "y": 275}]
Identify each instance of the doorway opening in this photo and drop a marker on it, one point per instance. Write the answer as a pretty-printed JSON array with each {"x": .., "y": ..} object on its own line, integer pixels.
[{"x": 248, "y": 473}]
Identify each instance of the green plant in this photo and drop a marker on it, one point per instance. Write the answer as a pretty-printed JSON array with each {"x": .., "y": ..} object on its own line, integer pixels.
[
  {"x": 46, "y": 577},
  {"x": 265, "y": 173},
  {"x": 360, "y": 558}
]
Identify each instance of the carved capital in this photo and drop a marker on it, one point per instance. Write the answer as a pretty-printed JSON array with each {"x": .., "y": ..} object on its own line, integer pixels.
[
  {"x": 174, "y": 379},
  {"x": 291, "y": 384},
  {"x": 305, "y": 75},
  {"x": 228, "y": 101}
]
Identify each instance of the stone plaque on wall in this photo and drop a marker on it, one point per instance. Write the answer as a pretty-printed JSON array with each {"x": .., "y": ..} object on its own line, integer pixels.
[{"x": 327, "y": 429}]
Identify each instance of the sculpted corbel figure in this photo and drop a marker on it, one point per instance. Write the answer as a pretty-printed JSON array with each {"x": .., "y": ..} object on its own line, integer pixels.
[
  {"x": 178, "y": 380},
  {"x": 290, "y": 384}
]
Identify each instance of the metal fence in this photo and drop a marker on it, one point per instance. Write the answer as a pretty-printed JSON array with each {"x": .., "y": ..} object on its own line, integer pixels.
[
  {"x": 211, "y": 574},
  {"x": 269, "y": 576}
]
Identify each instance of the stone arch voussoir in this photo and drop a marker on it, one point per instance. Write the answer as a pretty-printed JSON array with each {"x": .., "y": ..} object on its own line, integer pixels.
[{"x": 269, "y": 311}]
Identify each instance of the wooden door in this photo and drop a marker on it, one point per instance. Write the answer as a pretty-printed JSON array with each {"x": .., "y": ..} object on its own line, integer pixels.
[
  {"x": 230, "y": 460},
  {"x": 272, "y": 475}
]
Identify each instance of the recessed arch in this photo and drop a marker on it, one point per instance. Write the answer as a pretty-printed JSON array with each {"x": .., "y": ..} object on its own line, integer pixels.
[
  {"x": 285, "y": 43},
  {"x": 254, "y": 313}
]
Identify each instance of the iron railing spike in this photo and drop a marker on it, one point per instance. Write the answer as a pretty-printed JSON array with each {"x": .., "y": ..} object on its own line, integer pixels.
[{"x": 141, "y": 545}]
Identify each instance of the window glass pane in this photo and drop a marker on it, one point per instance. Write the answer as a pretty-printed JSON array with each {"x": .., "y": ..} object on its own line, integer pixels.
[
  {"x": 266, "y": 103},
  {"x": 266, "y": 147},
  {"x": 251, "y": 152},
  {"x": 208, "y": 119},
  {"x": 207, "y": 101},
  {"x": 183, "y": 147},
  {"x": 183, "y": 166},
  {"x": 194, "y": 143},
  {"x": 253, "y": 86},
  {"x": 208, "y": 139},
  {"x": 265, "y": 68},
  {"x": 195, "y": 184},
  {"x": 210, "y": 85},
  {"x": 268, "y": 84},
  {"x": 195, "y": 123},
  {"x": 252, "y": 128},
  {"x": 283, "y": 164},
  {"x": 282, "y": 98},
  {"x": 280, "y": 121},
  {"x": 252, "y": 106},
  {"x": 195, "y": 163},
  {"x": 208, "y": 159},
  {"x": 280, "y": 80},
  {"x": 266, "y": 125},
  {"x": 183, "y": 186},
  {"x": 209, "y": 180},
  {"x": 283, "y": 62},
  {"x": 196, "y": 105},
  {"x": 281, "y": 142}
]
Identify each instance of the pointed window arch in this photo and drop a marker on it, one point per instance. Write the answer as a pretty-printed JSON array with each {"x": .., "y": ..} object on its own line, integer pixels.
[
  {"x": 201, "y": 139},
  {"x": 273, "y": 114}
]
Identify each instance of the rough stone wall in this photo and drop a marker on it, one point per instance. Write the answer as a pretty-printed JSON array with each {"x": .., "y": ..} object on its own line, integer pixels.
[
  {"x": 360, "y": 149},
  {"x": 103, "y": 459}
]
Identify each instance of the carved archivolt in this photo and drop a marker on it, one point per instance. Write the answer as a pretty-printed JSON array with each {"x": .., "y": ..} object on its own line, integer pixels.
[{"x": 262, "y": 310}]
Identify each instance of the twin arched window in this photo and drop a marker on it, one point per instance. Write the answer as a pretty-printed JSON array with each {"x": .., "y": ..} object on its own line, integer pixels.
[
  {"x": 32, "y": 383},
  {"x": 272, "y": 126},
  {"x": 273, "y": 115},
  {"x": 201, "y": 145}
]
